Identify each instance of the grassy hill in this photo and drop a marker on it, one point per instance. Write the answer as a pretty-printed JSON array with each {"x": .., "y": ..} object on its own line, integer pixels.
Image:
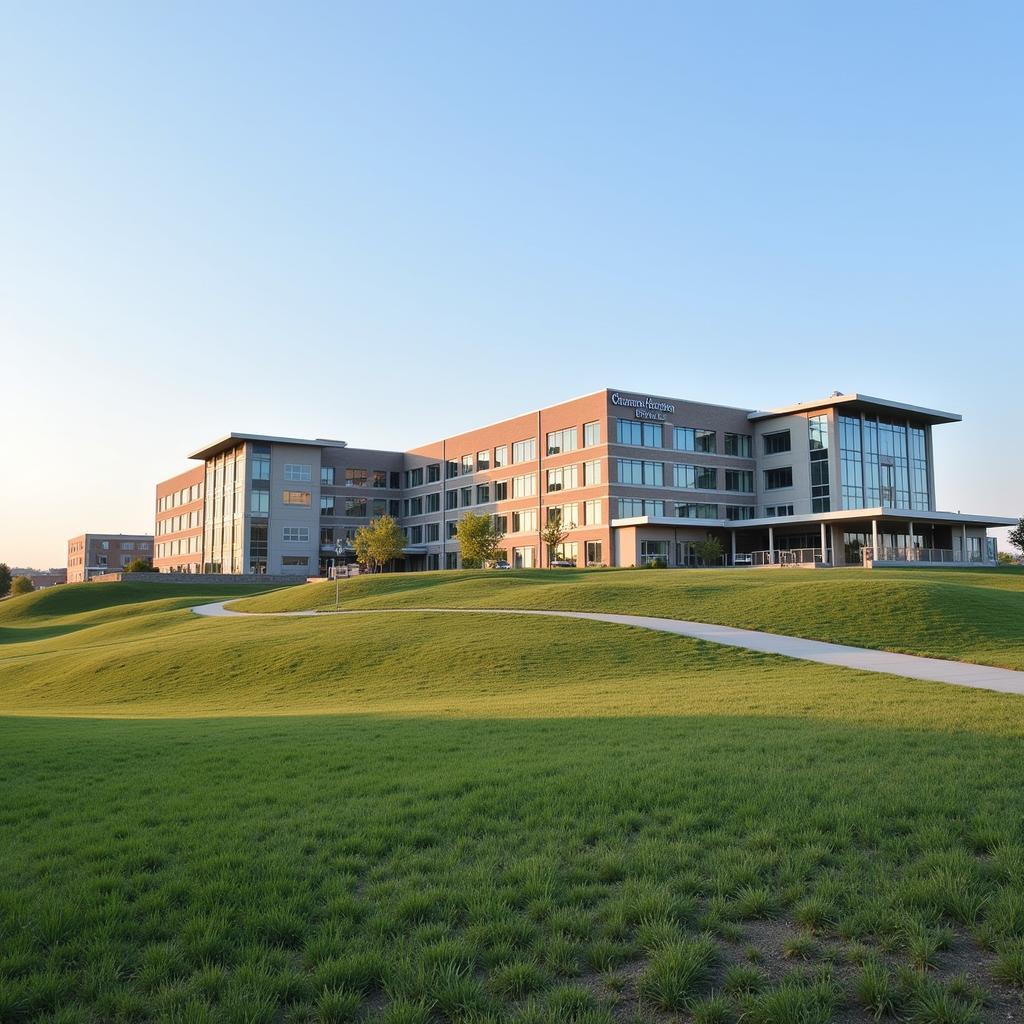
[
  {"x": 967, "y": 615},
  {"x": 421, "y": 821}
]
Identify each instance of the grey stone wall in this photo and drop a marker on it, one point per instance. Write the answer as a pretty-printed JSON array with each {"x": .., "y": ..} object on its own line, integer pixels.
[{"x": 200, "y": 578}]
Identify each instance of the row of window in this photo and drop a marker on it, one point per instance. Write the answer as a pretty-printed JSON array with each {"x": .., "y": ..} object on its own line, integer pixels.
[
  {"x": 181, "y": 546},
  {"x": 632, "y": 507},
  {"x": 175, "y": 524},
  {"x": 168, "y": 501},
  {"x": 357, "y": 477},
  {"x": 684, "y": 439},
  {"x": 684, "y": 476}
]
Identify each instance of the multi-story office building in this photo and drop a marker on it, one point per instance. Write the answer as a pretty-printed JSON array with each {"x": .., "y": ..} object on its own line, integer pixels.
[
  {"x": 179, "y": 522},
  {"x": 633, "y": 477},
  {"x": 92, "y": 554}
]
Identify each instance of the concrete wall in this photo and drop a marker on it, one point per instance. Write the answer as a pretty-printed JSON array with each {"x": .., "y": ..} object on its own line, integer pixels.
[{"x": 219, "y": 578}]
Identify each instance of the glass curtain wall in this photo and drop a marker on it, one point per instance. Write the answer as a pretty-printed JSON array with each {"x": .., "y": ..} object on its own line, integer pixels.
[
  {"x": 883, "y": 463},
  {"x": 223, "y": 540}
]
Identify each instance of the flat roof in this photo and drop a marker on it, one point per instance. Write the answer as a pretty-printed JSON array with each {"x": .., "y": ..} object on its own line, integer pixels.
[
  {"x": 233, "y": 439},
  {"x": 844, "y": 515},
  {"x": 860, "y": 402}
]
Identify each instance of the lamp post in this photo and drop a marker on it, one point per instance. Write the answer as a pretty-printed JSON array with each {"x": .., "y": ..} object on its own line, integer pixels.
[{"x": 339, "y": 550}]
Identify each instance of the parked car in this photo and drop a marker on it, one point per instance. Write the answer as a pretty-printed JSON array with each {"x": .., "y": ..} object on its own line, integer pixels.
[
  {"x": 563, "y": 563},
  {"x": 502, "y": 565}
]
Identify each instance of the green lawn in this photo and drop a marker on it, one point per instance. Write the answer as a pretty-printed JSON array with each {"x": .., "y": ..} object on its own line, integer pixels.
[
  {"x": 496, "y": 819},
  {"x": 963, "y": 614}
]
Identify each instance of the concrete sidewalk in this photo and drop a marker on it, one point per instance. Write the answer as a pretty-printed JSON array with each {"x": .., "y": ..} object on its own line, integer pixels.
[{"x": 938, "y": 670}]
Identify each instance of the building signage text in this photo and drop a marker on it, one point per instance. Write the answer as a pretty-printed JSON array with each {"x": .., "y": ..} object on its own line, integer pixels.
[{"x": 645, "y": 408}]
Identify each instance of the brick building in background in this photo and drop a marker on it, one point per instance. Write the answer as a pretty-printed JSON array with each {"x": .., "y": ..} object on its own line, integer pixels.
[
  {"x": 93, "y": 554},
  {"x": 179, "y": 522}
]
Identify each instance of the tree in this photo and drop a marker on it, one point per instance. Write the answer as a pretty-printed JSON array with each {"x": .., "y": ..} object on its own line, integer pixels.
[
  {"x": 1005, "y": 558},
  {"x": 379, "y": 542},
  {"x": 478, "y": 539},
  {"x": 555, "y": 532},
  {"x": 140, "y": 565},
  {"x": 21, "y": 585},
  {"x": 1016, "y": 536},
  {"x": 5, "y": 579},
  {"x": 709, "y": 551}
]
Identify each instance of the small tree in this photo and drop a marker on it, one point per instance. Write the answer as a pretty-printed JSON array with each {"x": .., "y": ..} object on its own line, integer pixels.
[
  {"x": 1016, "y": 536},
  {"x": 379, "y": 542},
  {"x": 140, "y": 565},
  {"x": 1005, "y": 558},
  {"x": 5, "y": 579},
  {"x": 478, "y": 539},
  {"x": 709, "y": 551},
  {"x": 21, "y": 585},
  {"x": 554, "y": 533}
]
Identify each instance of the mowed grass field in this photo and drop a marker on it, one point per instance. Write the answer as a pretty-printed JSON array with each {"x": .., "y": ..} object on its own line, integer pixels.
[
  {"x": 966, "y": 615},
  {"x": 423, "y": 820}
]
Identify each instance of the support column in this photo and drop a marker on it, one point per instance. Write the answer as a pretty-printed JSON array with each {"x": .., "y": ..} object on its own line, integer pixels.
[
  {"x": 874, "y": 539},
  {"x": 910, "y": 541},
  {"x": 733, "y": 532},
  {"x": 824, "y": 545},
  {"x": 963, "y": 542},
  {"x": 771, "y": 545}
]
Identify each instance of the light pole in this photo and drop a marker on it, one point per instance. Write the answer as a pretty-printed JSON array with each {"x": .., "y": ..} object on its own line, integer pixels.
[{"x": 339, "y": 550}]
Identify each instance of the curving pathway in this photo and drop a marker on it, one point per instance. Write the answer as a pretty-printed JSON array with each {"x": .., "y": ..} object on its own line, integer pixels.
[{"x": 912, "y": 666}]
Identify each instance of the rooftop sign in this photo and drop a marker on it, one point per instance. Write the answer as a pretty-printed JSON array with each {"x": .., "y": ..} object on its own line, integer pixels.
[{"x": 644, "y": 408}]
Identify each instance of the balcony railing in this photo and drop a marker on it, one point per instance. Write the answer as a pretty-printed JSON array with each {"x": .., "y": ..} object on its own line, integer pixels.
[
  {"x": 930, "y": 555},
  {"x": 793, "y": 556}
]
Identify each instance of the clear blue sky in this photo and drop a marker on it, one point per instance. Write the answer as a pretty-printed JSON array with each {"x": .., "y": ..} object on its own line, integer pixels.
[{"x": 387, "y": 222}]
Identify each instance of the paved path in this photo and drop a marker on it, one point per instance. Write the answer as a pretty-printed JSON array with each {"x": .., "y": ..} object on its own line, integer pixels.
[{"x": 938, "y": 670}]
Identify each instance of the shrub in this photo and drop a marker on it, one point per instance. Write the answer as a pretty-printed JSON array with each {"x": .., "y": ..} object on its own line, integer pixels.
[
  {"x": 21, "y": 585},
  {"x": 676, "y": 971}
]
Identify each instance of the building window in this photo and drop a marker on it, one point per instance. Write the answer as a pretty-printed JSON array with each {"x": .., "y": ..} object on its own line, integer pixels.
[
  {"x": 261, "y": 462},
  {"x": 295, "y": 534},
  {"x": 851, "y": 466},
  {"x": 297, "y": 472},
  {"x": 561, "y": 441},
  {"x": 638, "y": 473},
  {"x": 393, "y": 507},
  {"x": 567, "y": 551},
  {"x": 327, "y": 504},
  {"x": 652, "y": 549},
  {"x": 817, "y": 432},
  {"x": 562, "y": 479},
  {"x": 355, "y": 507},
  {"x": 739, "y": 445},
  {"x": 483, "y": 460},
  {"x": 451, "y": 499},
  {"x": 773, "y": 511},
  {"x": 776, "y": 479},
  {"x": 500, "y": 490},
  {"x": 451, "y": 560},
  {"x": 259, "y": 503},
  {"x": 524, "y": 451},
  {"x": 327, "y": 475},
  {"x": 500, "y": 524},
  {"x": 522, "y": 558},
  {"x": 695, "y": 510},
  {"x": 433, "y": 532},
  {"x": 416, "y": 506},
  {"x": 592, "y": 512},
  {"x": 500, "y": 456},
  {"x": 414, "y": 477},
  {"x": 739, "y": 511},
  {"x": 295, "y": 497},
  {"x": 629, "y": 508},
  {"x": 467, "y": 496},
  {"x": 467, "y": 465},
  {"x": 694, "y": 439},
  {"x": 524, "y": 486},
  {"x": 524, "y": 521},
  {"x": 636, "y": 432},
  {"x": 452, "y": 528},
  {"x": 591, "y": 473},
  {"x": 434, "y": 502},
  {"x": 483, "y": 494},
  {"x": 379, "y": 507},
  {"x": 694, "y": 478},
  {"x": 451, "y": 469},
  {"x": 295, "y": 559},
  {"x": 258, "y": 547},
  {"x": 776, "y": 442},
  {"x": 327, "y": 535},
  {"x": 591, "y": 434},
  {"x": 415, "y": 534},
  {"x": 739, "y": 480},
  {"x": 433, "y": 473},
  {"x": 594, "y": 555},
  {"x": 568, "y": 515}
]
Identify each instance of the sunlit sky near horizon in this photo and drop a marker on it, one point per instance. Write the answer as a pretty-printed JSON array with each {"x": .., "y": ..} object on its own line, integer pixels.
[{"x": 391, "y": 222}]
